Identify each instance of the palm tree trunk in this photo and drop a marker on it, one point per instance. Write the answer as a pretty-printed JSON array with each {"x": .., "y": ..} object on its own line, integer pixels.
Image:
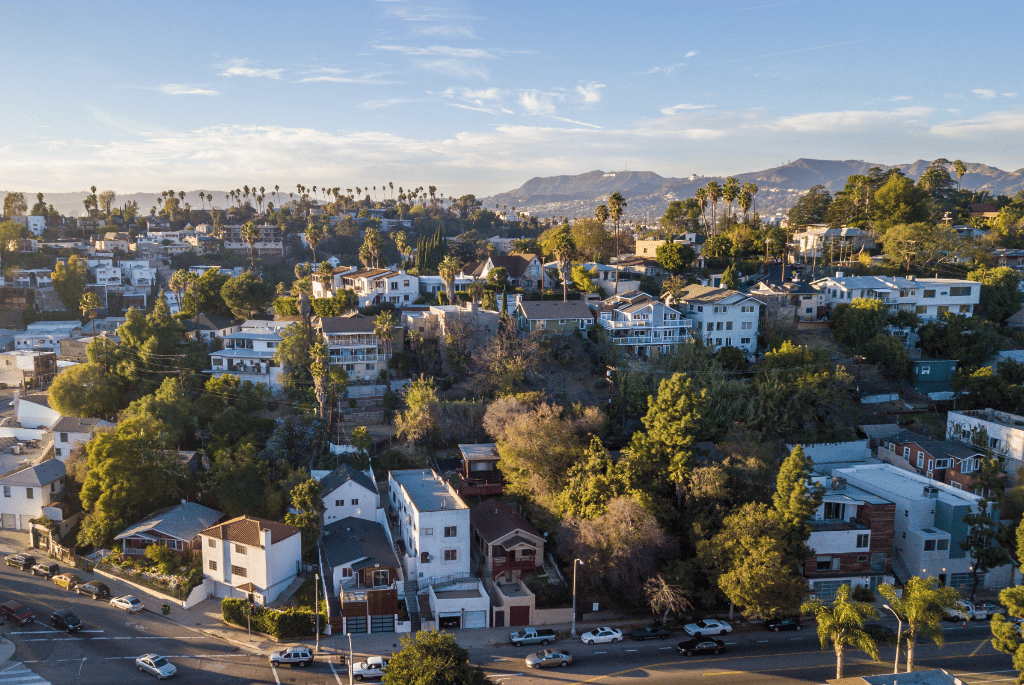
[
  {"x": 911, "y": 639},
  {"x": 839, "y": 662}
]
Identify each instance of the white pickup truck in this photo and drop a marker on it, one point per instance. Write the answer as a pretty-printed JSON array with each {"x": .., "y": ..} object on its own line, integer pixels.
[
  {"x": 532, "y": 636},
  {"x": 966, "y": 611}
]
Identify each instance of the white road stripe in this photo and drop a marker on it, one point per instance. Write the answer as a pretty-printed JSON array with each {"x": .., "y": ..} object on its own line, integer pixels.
[
  {"x": 666, "y": 647},
  {"x": 630, "y": 650},
  {"x": 336, "y": 676},
  {"x": 275, "y": 674}
]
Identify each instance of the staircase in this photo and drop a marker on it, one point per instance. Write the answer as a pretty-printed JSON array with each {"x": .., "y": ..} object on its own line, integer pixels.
[
  {"x": 412, "y": 604},
  {"x": 287, "y": 593},
  {"x": 334, "y": 612}
]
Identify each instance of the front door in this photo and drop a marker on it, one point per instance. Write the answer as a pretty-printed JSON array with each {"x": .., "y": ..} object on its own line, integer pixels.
[
  {"x": 519, "y": 616},
  {"x": 380, "y": 578}
]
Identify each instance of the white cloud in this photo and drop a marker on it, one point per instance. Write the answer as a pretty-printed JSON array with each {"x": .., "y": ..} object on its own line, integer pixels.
[
  {"x": 849, "y": 119},
  {"x": 474, "y": 95},
  {"x": 438, "y": 51},
  {"x": 487, "y": 110},
  {"x": 240, "y": 67},
  {"x": 900, "y": 98},
  {"x": 332, "y": 75},
  {"x": 1009, "y": 95},
  {"x": 448, "y": 30},
  {"x": 580, "y": 123},
  {"x": 538, "y": 102},
  {"x": 379, "y": 104},
  {"x": 982, "y": 125},
  {"x": 590, "y": 92},
  {"x": 690, "y": 54},
  {"x": 676, "y": 109},
  {"x": 666, "y": 70},
  {"x": 984, "y": 93},
  {"x": 183, "y": 89}
]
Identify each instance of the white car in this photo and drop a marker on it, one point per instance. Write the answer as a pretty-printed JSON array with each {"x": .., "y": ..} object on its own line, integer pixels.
[
  {"x": 156, "y": 665},
  {"x": 601, "y": 635},
  {"x": 128, "y": 603},
  {"x": 708, "y": 626},
  {"x": 373, "y": 668}
]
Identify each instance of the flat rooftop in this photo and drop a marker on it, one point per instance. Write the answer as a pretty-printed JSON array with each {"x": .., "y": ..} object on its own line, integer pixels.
[
  {"x": 427, "y": 490},
  {"x": 458, "y": 594},
  {"x": 892, "y": 483},
  {"x": 993, "y": 416}
]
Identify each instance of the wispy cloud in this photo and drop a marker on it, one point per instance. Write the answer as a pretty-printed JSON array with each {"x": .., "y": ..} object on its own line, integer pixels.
[
  {"x": 1009, "y": 95},
  {"x": 480, "y": 100},
  {"x": 666, "y": 69},
  {"x": 496, "y": 111},
  {"x": 900, "y": 98},
  {"x": 849, "y": 119},
  {"x": 240, "y": 67},
  {"x": 590, "y": 92},
  {"x": 538, "y": 102},
  {"x": 999, "y": 123},
  {"x": 380, "y": 104},
  {"x": 579, "y": 123},
  {"x": 455, "y": 67},
  {"x": 690, "y": 54},
  {"x": 984, "y": 93},
  {"x": 183, "y": 89},
  {"x": 685, "y": 107},
  {"x": 332, "y": 75},
  {"x": 438, "y": 51},
  {"x": 448, "y": 30}
]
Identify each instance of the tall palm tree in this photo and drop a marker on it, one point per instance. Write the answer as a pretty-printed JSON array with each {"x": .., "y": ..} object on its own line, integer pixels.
[
  {"x": 616, "y": 203},
  {"x": 842, "y": 625},
  {"x": 921, "y": 607},
  {"x": 320, "y": 370},
  {"x": 448, "y": 269},
  {"x": 314, "y": 234},
  {"x": 729, "y": 193},
  {"x": 701, "y": 196},
  {"x": 744, "y": 201},
  {"x": 562, "y": 249},
  {"x": 384, "y": 329},
  {"x": 89, "y": 304},
  {"x": 960, "y": 168},
  {"x": 714, "y": 195},
  {"x": 751, "y": 189},
  {"x": 251, "y": 235}
]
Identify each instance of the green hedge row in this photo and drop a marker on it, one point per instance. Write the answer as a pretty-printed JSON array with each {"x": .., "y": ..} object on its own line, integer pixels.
[{"x": 284, "y": 625}]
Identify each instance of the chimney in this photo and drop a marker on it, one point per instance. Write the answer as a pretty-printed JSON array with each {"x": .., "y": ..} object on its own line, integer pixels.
[
  {"x": 265, "y": 536},
  {"x": 839, "y": 274}
]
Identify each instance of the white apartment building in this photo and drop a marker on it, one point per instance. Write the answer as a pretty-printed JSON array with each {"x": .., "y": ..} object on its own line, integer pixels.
[
  {"x": 46, "y": 335},
  {"x": 927, "y": 297},
  {"x": 251, "y": 555},
  {"x": 137, "y": 272},
  {"x": 433, "y": 524},
  {"x": 814, "y": 242},
  {"x": 249, "y": 353},
  {"x": 270, "y": 243},
  {"x": 35, "y": 224},
  {"x": 25, "y": 493},
  {"x": 721, "y": 317},
  {"x": 432, "y": 285},
  {"x": 642, "y": 324},
  {"x": 1000, "y": 431},
  {"x": 32, "y": 278},
  {"x": 104, "y": 271},
  {"x": 376, "y": 286}
]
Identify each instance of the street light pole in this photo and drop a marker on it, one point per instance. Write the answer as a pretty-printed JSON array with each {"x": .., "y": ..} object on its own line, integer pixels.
[
  {"x": 899, "y": 631},
  {"x": 316, "y": 608},
  {"x": 574, "y": 562},
  {"x": 351, "y": 661}
]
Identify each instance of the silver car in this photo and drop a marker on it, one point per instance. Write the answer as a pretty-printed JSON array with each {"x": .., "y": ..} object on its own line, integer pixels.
[
  {"x": 371, "y": 669},
  {"x": 156, "y": 665},
  {"x": 299, "y": 655},
  {"x": 549, "y": 657}
]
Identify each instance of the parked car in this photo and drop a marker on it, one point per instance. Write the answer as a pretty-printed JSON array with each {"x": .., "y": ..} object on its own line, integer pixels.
[
  {"x": 882, "y": 635},
  {"x": 68, "y": 581},
  {"x": 94, "y": 589},
  {"x": 127, "y": 603},
  {"x": 371, "y": 669},
  {"x": 17, "y": 612},
  {"x": 46, "y": 569},
  {"x": 708, "y": 626},
  {"x": 65, "y": 620},
  {"x": 649, "y": 633},
  {"x": 788, "y": 623},
  {"x": 299, "y": 655},
  {"x": 156, "y": 665},
  {"x": 601, "y": 635},
  {"x": 700, "y": 645},
  {"x": 532, "y": 636},
  {"x": 549, "y": 657},
  {"x": 22, "y": 561}
]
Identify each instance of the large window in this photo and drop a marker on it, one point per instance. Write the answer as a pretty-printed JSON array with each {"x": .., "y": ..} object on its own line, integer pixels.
[
  {"x": 238, "y": 571},
  {"x": 451, "y": 555},
  {"x": 451, "y": 531},
  {"x": 835, "y": 511},
  {"x": 863, "y": 540},
  {"x": 960, "y": 291}
]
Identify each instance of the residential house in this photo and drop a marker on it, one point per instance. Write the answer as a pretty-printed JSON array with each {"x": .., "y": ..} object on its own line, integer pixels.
[
  {"x": 32, "y": 278},
  {"x": 932, "y": 376},
  {"x": 365, "y": 573},
  {"x": 112, "y": 242},
  {"x": 71, "y": 431},
  {"x": 350, "y": 493},
  {"x": 553, "y": 315},
  {"x": 209, "y": 327},
  {"x": 525, "y": 271},
  {"x": 27, "y": 368},
  {"x": 601, "y": 275},
  {"x": 479, "y": 474},
  {"x": 790, "y": 301},
  {"x": 1000, "y": 431},
  {"x": 46, "y": 335},
  {"x": 270, "y": 245},
  {"x": 78, "y": 350},
  {"x": 249, "y": 353},
  {"x": 635, "y": 267},
  {"x": 137, "y": 272},
  {"x": 948, "y": 461},
  {"x": 248, "y": 555},
  {"x": 176, "y": 528},
  {"x": 34, "y": 411},
  {"x": 373, "y": 286},
  {"x": 721, "y": 317},
  {"x": 929, "y": 298},
  {"x": 27, "y": 491},
  {"x": 818, "y": 241},
  {"x": 469, "y": 322},
  {"x": 641, "y": 324},
  {"x": 35, "y": 224},
  {"x": 430, "y": 286},
  {"x": 1012, "y": 258},
  {"x": 352, "y": 344},
  {"x": 103, "y": 271},
  {"x": 929, "y": 525},
  {"x": 432, "y": 524}
]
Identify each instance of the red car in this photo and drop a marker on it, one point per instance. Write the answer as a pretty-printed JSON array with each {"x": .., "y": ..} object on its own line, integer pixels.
[{"x": 17, "y": 612}]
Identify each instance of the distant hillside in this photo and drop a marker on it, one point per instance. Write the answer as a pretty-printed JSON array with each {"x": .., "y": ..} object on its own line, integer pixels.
[{"x": 648, "y": 194}]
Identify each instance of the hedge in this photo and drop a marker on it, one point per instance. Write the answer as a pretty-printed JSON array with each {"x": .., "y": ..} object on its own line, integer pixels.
[{"x": 284, "y": 625}]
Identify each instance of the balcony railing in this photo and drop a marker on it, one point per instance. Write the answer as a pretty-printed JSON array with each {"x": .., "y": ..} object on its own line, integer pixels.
[
  {"x": 501, "y": 565},
  {"x": 834, "y": 525}
]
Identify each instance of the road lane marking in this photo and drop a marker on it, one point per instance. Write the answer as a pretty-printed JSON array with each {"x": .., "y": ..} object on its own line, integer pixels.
[
  {"x": 600, "y": 652},
  {"x": 666, "y": 647},
  {"x": 336, "y": 676},
  {"x": 275, "y": 674},
  {"x": 630, "y": 650}
]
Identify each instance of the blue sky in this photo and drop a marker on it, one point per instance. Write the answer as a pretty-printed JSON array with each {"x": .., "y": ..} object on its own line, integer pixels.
[{"x": 479, "y": 97}]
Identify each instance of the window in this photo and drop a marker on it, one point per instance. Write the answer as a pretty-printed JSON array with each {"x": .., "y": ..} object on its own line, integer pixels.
[
  {"x": 7, "y": 491},
  {"x": 240, "y": 549},
  {"x": 835, "y": 511},
  {"x": 942, "y": 545},
  {"x": 862, "y": 557},
  {"x": 428, "y": 531},
  {"x": 728, "y": 325},
  {"x": 930, "y": 463},
  {"x": 747, "y": 309},
  {"x": 863, "y": 540},
  {"x": 929, "y": 294},
  {"x": 920, "y": 460},
  {"x": 211, "y": 542},
  {"x": 355, "y": 503},
  {"x": 728, "y": 341},
  {"x": 943, "y": 463},
  {"x": 451, "y": 531},
  {"x": 346, "y": 572},
  {"x": 929, "y": 545},
  {"x": 63, "y": 437},
  {"x": 824, "y": 564},
  {"x": 28, "y": 493},
  {"x": 451, "y": 555},
  {"x": 960, "y": 291},
  {"x": 993, "y": 443},
  {"x": 970, "y": 465},
  {"x": 238, "y": 571},
  {"x": 906, "y": 452},
  {"x": 339, "y": 502},
  {"x": 424, "y": 558},
  {"x": 213, "y": 565},
  {"x": 921, "y": 309},
  {"x": 744, "y": 341},
  {"x": 747, "y": 325},
  {"x": 942, "y": 309}
]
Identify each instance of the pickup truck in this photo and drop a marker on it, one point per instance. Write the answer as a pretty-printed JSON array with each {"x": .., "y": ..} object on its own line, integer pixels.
[
  {"x": 966, "y": 611},
  {"x": 532, "y": 636}
]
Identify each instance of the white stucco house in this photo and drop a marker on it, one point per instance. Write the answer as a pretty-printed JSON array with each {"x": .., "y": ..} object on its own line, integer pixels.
[
  {"x": 433, "y": 523},
  {"x": 349, "y": 492},
  {"x": 721, "y": 317},
  {"x": 927, "y": 297},
  {"x": 26, "y": 492},
  {"x": 249, "y": 353},
  {"x": 251, "y": 555}
]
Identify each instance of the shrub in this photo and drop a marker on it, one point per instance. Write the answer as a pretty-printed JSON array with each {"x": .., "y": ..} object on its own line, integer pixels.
[
  {"x": 164, "y": 557},
  {"x": 863, "y": 593},
  {"x": 284, "y": 625},
  {"x": 549, "y": 596}
]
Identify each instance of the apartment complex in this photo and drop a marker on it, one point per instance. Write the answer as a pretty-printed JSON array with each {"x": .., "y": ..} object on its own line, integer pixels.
[
  {"x": 642, "y": 324},
  {"x": 721, "y": 317},
  {"x": 929, "y": 298}
]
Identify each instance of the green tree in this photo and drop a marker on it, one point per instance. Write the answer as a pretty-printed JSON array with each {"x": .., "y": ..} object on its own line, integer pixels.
[
  {"x": 164, "y": 557},
  {"x": 674, "y": 257},
  {"x": 431, "y": 658},
  {"x": 861, "y": 320},
  {"x": 921, "y": 606},
  {"x": 241, "y": 481},
  {"x": 591, "y": 240},
  {"x": 14, "y": 205},
  {"x": 972, "y": 340},
  {"x": 811, "y": 207},
  {"x": 314, "y": 234},
  {"x": 293, "y": 354},
  {"x": 558, "y": 243},
  {"x": 9, "y": 232},
  {"x": 250, "y": 234},
  {"x": 1001, "y": 296},
  {"x": 83, "y": 390},
  {"x": 796, "y": 499},
  {"x": 922, "y": 243},
  {"x": 384, "y": 328},
  {"x": 889, "y": 353},
  {"x": 731, "y": 278},
  {"x": 308, "y": 501},
  {"x": 592, "y": 482},
  {"x": 841, "y": 625},
  {"x": 448, "y": 269},
  {"x": 246, "y": 296},
  {"x": 418, "y": 423},
  {"x": 984, "y": 535},
  {"x": 69, "y": 280},
  {"x": 616, "y": 206},
  {"x": 582, "y": 279},
  {"x": 373, "y": 245},
  {"x": 88, "y": 305},
  {"x": 897, "y": 201}
]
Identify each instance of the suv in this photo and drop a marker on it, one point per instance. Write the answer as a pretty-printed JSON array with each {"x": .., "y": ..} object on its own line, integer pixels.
[
  {"x": 22, "y": 561},
  {"x": 46, "y": 569},
  {"x": 94, "y": 589},
  {"x": 65, "y": 620},
  {"x": 300, "y": 655},
  {"x": 17, "y": 612}
]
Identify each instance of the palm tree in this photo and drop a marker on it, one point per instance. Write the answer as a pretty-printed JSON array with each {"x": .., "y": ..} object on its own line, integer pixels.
[
  {"x": 751, "y": 189},
  {"x": 475, "y": 289},
  {"x": 251, "y": 235},
  {"x": 447, "y": 270},
  {"x": 729, "y": 194},
  {"x": 404, "y": 248},
  {"x": 384, "y": 329},
  {"x": 701, "y": 196},
  {"x": 616, "y": 203},
  {"x": 714, "y": 195},
  {"x": 960, "y": 168},
  {"x": 314, "y": 234},
  {"x": 921, "y": 607},
  {"x": 89, "y": 304},
  {"x": 744, "y": 201},
  {"x": 842, "y": 625},
  {"x": 562, "y": 248},
  {"x": 320, "y": 371}
]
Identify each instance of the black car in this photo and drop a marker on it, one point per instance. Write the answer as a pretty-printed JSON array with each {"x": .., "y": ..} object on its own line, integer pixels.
[
  {"x": 65, "y": 620},
  {"x": 649, "y": 633},
  {"x": 777, "y": 624},
  {"x": 22, "y": 561},
  {"x": 701, "y": 645},
  {"x": 882, "y": 635},
  {"x": 94, "y": 589}
]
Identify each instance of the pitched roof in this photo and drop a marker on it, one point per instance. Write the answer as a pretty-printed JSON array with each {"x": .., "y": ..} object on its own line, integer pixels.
[
  {"x": 74, "y": 424},
  {"x": 705, "y": 293},
  {"x": 515, "y": 263},
  {"x": 494, "y": 520},
  {"x": 353, "y": 323},
  {"x": 351, "y": 539},
  {"x": 38, "y": 475},
  {"x": 343, "y": 474},
  {"x": 214, "y": 322},
  {"x": 246, "y": 530},
  {"x": 573, "y": 309},
  {"x": 936, "y": 448},
  {"x": 487, "y": 451},
  {"x": 182, "y": 522},
  {"x": 39, "y": 398}
]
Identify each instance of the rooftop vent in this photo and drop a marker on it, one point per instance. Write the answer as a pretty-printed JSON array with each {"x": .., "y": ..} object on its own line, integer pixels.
[
  {"x": 931, "y": 492},
  {"x": 838, "y": 483}
]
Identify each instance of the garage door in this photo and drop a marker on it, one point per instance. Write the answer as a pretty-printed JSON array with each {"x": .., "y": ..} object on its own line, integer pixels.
[
  {"x": 475, "y": 619},
  {"x": 519, "y": 616},
  {"x": 8, "y": 521},
  {"x": 449, "y": 620}
]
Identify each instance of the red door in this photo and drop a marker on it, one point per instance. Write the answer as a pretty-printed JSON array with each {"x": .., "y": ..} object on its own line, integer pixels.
[{"x": 519, "y": 616}]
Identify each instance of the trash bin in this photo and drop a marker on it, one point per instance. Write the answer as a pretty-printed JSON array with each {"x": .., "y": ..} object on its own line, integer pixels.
[{"x": 165, "y": 608}]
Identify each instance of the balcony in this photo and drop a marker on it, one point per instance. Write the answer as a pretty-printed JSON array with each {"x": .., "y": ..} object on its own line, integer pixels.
[
  {"x": 821, "y": 525},
  {"x": 353, "y": 358},
  {"x": 501, "y": 565},
  {"x": 480, "y": 486}
]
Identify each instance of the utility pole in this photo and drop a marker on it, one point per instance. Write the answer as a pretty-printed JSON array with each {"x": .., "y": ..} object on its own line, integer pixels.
[{"x": 316, "y": 608}]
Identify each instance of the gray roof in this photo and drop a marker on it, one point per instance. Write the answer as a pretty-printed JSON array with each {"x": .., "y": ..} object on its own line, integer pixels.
[
  {"x": 487, "y": 451},
  {"x": 343, "y": 474},
  {"x": 353, "y": 539},
  {"x": 352, "y": 323},
  {"x": 75, "y": 424},
  {"x": 573, "y": 309},
  {"x": 936, "y": 448},
  {"x": 182, "y": 522},
  {"x": 494, "y": 520},
  {"x": 42, "y": 399},
  {"x": 39, "y": 475},
  {"x": 427, "y": 490}
]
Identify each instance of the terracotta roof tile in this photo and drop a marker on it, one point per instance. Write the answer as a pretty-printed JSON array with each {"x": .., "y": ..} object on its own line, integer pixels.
[{"x": 246, "y": 530}]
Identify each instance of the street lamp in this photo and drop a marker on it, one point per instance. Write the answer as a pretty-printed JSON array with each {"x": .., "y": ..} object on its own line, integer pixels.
[
  {"x": 899, "y": 630},
  {"x": 351, "y": 660},
  {"x": 316, "y": 609},
  {"x": 574, "y": 562}
]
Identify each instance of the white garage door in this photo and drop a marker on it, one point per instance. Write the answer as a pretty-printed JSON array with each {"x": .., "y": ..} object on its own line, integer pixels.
[
  {"x": 9, "y": 521},
  {"x": 475, "y": 619}
]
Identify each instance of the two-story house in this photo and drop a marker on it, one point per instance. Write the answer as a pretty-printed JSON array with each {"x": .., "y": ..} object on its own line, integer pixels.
[
  {"x": 46, "y": 335},
  {"x": 209, "y": 327},
  {"x": 27, "y": 368},
  {"x": 794, "y": 301},
  {"x": 554, "y": 316},
  {"x": 71, "y": 431},
  {"x": 353, "y": 345},
  {"x": 642, "y": 324},
  {"x": 999, "y": 431},
  {"x": 249, "y": 353},
  {"x": 29, "y": 492},
  {"x": 479, "y": 474},
  {"x": 349, "y": 492},
  {"x": 269, "y": 245},
  {"x": 525, "y": 271},
  {"x": 817, "y": 242},
  {"x": 721, "y": 317},
  {"x": 948, "y": 461},
  {"x": 365, "y": 574},
  {"x": 372, "y": 286},
  {"x": 249, "y": 555},
  {"x": 929, "y": 298}
]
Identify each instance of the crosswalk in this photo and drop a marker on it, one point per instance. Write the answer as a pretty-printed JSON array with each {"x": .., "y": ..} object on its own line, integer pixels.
[{"x": 16, "y": 673}]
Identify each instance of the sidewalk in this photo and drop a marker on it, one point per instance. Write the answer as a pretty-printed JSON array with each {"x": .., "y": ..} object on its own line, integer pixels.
[{"x": 6, "y": 649}]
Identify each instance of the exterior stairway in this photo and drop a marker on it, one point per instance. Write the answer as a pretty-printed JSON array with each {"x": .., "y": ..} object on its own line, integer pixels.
[
  {"x": 412, "y": 604},
  {"x": 287, "y": 593}
]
